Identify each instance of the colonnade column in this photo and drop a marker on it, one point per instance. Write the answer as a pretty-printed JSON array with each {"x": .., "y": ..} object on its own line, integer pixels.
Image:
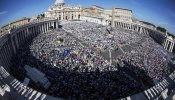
[
  {"x": 167, "y": 43},
  {"x": 171, "y": 47}
]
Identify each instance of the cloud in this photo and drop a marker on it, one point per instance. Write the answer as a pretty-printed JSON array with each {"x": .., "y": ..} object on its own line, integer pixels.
[{"x": 3, "y": 12}]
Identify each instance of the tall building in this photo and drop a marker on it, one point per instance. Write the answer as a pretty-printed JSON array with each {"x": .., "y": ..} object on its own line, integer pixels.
[
  {"x": 64, "y": 12},
  {"x": 106, "y": 16}
]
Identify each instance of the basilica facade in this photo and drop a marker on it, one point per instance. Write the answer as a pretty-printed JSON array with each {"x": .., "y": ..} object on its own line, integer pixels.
[
  {"x": 64, "y": 12},
  {"x": 94, "y": 14}
]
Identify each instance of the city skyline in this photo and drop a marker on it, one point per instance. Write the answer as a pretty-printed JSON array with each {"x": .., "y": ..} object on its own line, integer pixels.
[{"x": 158, "y": 12}]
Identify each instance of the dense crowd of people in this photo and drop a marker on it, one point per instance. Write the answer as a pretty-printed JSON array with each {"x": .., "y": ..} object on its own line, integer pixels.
[
  {"x": 100, "y": 36},
  {"x": 77, "y": 71},
  {"x": 150, "y": 57}
]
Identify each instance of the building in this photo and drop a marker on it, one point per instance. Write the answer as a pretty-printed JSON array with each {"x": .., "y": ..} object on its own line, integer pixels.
[
  {"x": 120, "y": 14},
  {"x": 15, "y": 24},
  {"x": 14, "y": 89},
  {"x": 116, "y": 17},
  {"x": 106, "y": 15},
  {"x": 95, "y": 13},
  {"x": 64, "y": 12}
]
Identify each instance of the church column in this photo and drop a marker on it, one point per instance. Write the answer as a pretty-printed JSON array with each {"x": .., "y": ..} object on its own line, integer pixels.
[
  {"x": 140, "y": 31},
  {"x": 53, "y": 24},
  {"x": 167, "y": 45},
  {"x": 143, "y": 30},
  {"x": 137, "y": 28},
  {"x": 42, "y": 25},
  {"x": 45, "y": 28},
  {"x": 42, "y": 28},
  {"x": 172, "y": 46},
  {"x": 58, "y": 23},
  {"x": 169, "y": 49},
  {"x": 49, "y": 25}
]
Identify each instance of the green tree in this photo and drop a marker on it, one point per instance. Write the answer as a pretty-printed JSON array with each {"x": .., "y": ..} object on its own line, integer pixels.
[{"x": 161, "y": 29}]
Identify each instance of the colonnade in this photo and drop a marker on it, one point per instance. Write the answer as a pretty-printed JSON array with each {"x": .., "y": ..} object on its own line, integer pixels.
[
  {"x": 9, "y": 45},
  {"x": 11, "y": 42},
  {"x": 169, "y": 44},
  {"x": 133, "y": 27}
]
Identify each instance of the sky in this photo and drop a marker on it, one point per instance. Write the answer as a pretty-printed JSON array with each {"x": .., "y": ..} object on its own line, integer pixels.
[{"x": 158, "y": 12}]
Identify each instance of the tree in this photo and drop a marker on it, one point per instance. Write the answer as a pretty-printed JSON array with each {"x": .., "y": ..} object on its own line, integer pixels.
[
  {"x": 161, "y": 29},
  {"x": 41, "y": 16}
]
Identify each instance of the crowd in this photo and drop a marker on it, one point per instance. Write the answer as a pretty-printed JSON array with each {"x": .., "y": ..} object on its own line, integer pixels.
[
  {"x": 63, "y": 50},
  {"x": 100, "y": 36},
  {"x": 77, "y": 72},
  {"x": 74, "y": 70},
  {"x": 150, "y": 57}
]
